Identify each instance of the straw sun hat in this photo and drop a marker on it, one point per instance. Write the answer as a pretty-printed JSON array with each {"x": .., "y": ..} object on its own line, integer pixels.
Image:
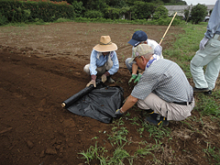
[{"x": 105, "y": 45}]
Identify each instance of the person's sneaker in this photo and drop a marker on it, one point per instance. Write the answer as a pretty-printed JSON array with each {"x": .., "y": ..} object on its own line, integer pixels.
[
  {"x": 208, "y": 92},
  {"x": 110, "y": 80},
  {"x": 146, "y": 112},
  {"x": 200, "y": 89},
  {"x": 156, "y": 119}
]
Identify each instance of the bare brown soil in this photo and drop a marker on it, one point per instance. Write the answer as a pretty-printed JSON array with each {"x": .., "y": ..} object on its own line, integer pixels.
[{"x": 41, "y": 66}]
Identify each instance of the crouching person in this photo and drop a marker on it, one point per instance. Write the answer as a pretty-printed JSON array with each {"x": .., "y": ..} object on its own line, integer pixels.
[
  {"x": 140, "y": 37},
  {"x": 163, "y": 89},
  {"x": 103, "y": 61}
]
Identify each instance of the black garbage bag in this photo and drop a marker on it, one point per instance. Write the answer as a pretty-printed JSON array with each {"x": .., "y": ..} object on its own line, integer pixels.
[{"x": 99, "y": 103}]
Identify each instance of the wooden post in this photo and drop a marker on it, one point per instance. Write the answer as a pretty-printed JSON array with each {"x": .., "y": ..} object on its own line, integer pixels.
[{"x": 168, "y": 28}]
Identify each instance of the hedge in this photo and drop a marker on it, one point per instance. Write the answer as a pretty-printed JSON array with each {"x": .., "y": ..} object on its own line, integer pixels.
[{"x": 20, "y": 11}]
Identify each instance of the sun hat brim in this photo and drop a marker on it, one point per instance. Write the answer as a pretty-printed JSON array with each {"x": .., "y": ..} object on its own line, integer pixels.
[{"x": 105, "y": 48}]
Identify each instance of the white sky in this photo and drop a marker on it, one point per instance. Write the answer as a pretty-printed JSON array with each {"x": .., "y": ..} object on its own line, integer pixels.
[{"x": 195, "y": 2}]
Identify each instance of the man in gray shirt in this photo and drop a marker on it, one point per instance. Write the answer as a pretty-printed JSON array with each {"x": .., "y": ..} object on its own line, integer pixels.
[
  {"x": 162, "y": 88},
  {"x": 208, "y": 55}
]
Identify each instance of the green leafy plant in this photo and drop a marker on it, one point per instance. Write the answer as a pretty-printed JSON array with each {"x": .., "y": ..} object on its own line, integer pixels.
[
  {"x": 160, "y": 12},
  {"x": 118, "y": 136},
  {"x": 208, "y": 106},
  {"x": 94, "y": 152},
  {"x": 214, "y": 153},
  {"x": 118, "y": 156},
  {"x": 198, "y": 13},
  {"x": 157, "y": 132}
]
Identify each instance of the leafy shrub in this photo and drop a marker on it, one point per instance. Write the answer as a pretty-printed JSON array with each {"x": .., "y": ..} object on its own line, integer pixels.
[
  {"x": 93, "y": 14},
  {"x": 3, "y": 20},
  {"x": 142, "y": 10},
  {"x": 198, "y": 13},
  {"x": 20, "y": 11},
  {"x": 160, "y": 12},
  {"x": 137, "y": 21},
  {"x": 166, "y": 21},
  {"x": 78, "y": 8}
]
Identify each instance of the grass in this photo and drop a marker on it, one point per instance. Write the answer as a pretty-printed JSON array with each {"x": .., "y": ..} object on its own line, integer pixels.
[
  {"x": 183, "y": 50},
  {"x": 157, "y": 132},
  {"x": 212, "y": 153},
  {"x": 209, "y": 105}
]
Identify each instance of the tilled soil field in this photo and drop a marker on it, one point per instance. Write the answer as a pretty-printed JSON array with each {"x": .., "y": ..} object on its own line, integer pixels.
[{"x": 42, "y": 65}]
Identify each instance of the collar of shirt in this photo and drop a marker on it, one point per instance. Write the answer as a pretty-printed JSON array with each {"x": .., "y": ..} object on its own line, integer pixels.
[
  {"x": 100, "y": 53},
  {"x": 151, "y": 61}
]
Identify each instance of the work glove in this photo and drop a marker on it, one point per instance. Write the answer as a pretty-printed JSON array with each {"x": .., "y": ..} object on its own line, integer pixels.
[
  {"x": 104, "y": 77},
  {"x": 203, "y": 42},
  {"x": 133, "y": 77},
  {"x": 93, "y": 81},
  {"x": 138, "y": 78},
  {"x": 118, "y": 113}
]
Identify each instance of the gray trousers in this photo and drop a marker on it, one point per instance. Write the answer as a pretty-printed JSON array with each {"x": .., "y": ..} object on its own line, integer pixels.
[
  {"x": 209, "y": 57},
  {"x": 171, "y": 111}
]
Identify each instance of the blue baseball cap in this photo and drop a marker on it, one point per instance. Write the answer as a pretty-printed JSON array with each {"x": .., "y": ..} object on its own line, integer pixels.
[{"x": 137, "y": 38}]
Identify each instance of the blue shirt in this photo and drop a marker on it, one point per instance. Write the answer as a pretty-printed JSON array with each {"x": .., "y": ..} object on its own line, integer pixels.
[
  {"x": 214, "y": 22},
  {"x": 97, "y": 59}
]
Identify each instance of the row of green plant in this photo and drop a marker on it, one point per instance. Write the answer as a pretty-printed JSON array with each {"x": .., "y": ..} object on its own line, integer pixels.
[
  {"x": 12, "y": 11},
  {"x": 160, "y": 21},
  {"x": 141, "y": 9},
  {"x": 118, "y": 137},
  {"x": 115, "y": 8},
  {"x": 165, "y": 22}
]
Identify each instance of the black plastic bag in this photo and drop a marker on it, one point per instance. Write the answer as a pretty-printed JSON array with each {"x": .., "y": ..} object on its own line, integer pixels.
[{"x": 99, "y": 103}]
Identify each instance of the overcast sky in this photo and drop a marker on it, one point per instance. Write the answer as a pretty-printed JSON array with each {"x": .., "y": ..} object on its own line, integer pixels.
[{"x": 195, "y": 2}]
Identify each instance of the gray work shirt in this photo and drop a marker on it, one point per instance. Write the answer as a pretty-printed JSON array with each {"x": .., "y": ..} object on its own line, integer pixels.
[{"x": 167, "y": 80}]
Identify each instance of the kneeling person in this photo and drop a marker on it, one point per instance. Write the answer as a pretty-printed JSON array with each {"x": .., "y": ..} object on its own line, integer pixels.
[
  {"x": 140, "y": 37},
  {"x": 163, "y": 89},
  {"x": 103, "y": 61}
]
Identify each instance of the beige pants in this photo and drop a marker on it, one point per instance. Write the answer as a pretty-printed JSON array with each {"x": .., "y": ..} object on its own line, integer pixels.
[
  {"x": 171, "y": 111},
  {"x": 100, "y": 70}
]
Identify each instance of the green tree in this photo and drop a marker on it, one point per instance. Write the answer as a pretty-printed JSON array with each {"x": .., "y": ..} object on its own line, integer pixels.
[
  {"x": 160, "y": 12},
  {"x": 93, "y": 14},
  {"x": 198, "y": 13},
  {"x": 142, "y": 10},
  {"x": 99, "y": 5},
  {"x": 78, "y": 8},
  {"x": 116, "y": 3}
]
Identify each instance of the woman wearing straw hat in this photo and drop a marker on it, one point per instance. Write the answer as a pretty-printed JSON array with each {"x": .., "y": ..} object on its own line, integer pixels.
[{"x": 103, "y": 61}]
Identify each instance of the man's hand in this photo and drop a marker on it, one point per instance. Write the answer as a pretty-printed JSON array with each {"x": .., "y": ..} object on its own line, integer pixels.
[
  {"x": 203, "y": 42},
  {"x": 133, "y": 77},
  {"x": 104, "y": 78},
  {"x": 138, "y": 78},
  {"x": 118, "y": 113},
  {"x": 93, "y": 82}
]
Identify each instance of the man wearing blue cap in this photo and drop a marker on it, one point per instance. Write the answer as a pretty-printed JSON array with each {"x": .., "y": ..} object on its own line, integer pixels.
[{"x": 140, "y": 37}]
